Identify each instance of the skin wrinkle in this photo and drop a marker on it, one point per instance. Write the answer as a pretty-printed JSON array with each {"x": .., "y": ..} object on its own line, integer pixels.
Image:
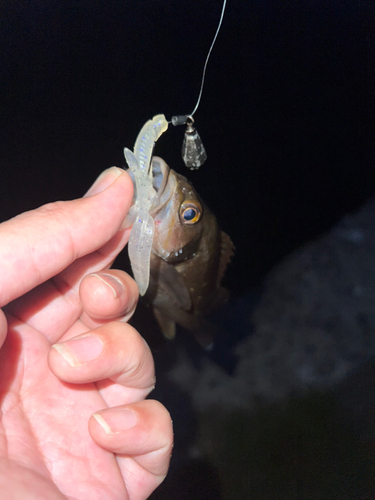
[
  {"x": 4, "y": 294},
  {"x": 25, "y": 444},
  {"x": 134, "y": 477},
  {"x": 69, "y": 296},
  {"x": 30, "y": 428},
  {"x": 159, "y": 451},
  {"x": 82, "y": 486},
  {"x": 103, "y": 484},
  {"x": 4, "y": 438},
  {"x": 77, "y": 457},
  {"x": 112, "y": 393},
  {"x": 32, "y": 431},
  {"x": 12, "y": 396},
  {"x": 33, "y": 268},
  {"x": 57, "y": 211},
  {"x": 67, "y": 292},
  {"x": 70, "y": 231},
  {"x": 131, "y": 476},
  {"x": 136, "y": 367},
  {"x": 36, "y": 270},
  {"x": 9, "y": 469}
]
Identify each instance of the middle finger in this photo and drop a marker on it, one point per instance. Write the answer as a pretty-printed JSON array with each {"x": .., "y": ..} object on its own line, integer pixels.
[
  {"x": 107, "y": 295},
  {"x": 112, "y": 355}
]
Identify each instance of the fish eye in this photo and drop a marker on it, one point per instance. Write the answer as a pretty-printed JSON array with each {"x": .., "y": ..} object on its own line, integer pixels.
[{"x": 190, "y": 213}]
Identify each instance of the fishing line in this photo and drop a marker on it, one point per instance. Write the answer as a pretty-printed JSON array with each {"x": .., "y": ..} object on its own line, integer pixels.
[
  {"x": 208, "y": 56},
  {"x": 193, "y": 151}
]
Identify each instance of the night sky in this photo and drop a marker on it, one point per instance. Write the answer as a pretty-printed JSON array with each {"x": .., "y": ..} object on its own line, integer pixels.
[{"x": 287, "y": 113}]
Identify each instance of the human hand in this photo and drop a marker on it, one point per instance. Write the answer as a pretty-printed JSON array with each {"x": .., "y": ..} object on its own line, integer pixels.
[{"x": 52, "y": 289}]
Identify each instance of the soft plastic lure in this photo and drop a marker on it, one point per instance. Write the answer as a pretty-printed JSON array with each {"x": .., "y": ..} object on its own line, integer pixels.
[{"x": 140, "y": 241}]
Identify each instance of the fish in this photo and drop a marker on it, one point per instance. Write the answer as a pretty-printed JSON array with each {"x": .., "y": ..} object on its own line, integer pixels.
[{"x": 189, "y": 256}]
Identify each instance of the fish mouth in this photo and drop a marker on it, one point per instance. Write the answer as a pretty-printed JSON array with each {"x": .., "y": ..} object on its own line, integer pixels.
[
  {"x": 164, "y": 189},
  {"x": 180, "y": 255},
  {"x": 160, "y": 182}
]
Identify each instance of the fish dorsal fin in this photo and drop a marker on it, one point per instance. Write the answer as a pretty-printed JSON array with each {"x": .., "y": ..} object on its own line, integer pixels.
[{"x": 226, "y": 254}]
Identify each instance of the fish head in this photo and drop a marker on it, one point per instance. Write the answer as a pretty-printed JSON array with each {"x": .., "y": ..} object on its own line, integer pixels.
[{"x": 177, "y": 212}]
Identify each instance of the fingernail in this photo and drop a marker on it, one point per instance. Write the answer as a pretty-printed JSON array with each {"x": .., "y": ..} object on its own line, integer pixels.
[
  {"x": 105, "y": 179},
  {"x": 116, "y": 420},
  {"x": 113, "y": 283},
  {"x": 81, "y": 350}
]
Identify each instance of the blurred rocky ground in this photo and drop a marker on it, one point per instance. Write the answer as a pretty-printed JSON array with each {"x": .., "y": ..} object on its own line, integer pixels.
[{"x": 295, "y": 417}]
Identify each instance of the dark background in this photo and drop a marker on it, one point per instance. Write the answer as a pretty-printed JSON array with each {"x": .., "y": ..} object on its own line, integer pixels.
[{"x": 287, "y": 113}]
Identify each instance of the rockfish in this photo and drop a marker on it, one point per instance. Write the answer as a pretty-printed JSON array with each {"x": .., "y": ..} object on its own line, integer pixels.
[{"x": 188, "y": 258}]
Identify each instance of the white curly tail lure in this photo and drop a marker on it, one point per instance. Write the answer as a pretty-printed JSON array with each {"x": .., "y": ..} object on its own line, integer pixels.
[{"x": 140, "y": 241}]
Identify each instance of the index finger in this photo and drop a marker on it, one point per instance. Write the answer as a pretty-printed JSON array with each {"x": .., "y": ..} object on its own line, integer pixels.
[{"x": 39, "y": 244}]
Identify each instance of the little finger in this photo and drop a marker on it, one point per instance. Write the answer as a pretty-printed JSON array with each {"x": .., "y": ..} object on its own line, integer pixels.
[{"x": 141, "y": 435}]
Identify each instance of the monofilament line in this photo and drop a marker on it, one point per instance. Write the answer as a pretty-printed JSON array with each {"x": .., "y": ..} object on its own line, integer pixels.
[{"x": 208, "y": 56}]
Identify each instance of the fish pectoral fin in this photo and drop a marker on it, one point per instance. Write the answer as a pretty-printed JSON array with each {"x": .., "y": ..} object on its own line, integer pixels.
[
  {"x": 174, "y": 285},
  {"x": 167, "y": 325}
]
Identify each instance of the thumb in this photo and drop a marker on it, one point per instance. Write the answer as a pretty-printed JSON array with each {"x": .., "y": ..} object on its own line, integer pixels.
[{"x": 38, "y": 244}]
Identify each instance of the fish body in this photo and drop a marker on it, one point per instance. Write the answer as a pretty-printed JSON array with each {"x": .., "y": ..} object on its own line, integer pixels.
[{"x": 189, "y": 256}]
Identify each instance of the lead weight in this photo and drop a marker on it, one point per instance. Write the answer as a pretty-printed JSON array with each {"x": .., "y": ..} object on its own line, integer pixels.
[{"x": 193, "y": 152}]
